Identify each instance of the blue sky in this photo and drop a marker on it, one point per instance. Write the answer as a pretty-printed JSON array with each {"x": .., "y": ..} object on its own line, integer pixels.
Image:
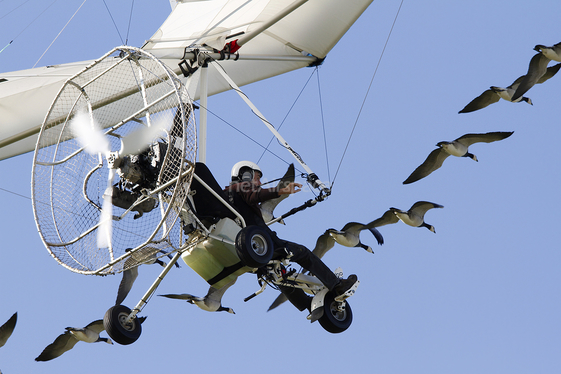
[{"x": 479, "y": 295}]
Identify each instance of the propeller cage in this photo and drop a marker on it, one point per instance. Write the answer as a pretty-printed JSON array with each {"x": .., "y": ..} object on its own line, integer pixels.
[{"x": 126, "y": 90}]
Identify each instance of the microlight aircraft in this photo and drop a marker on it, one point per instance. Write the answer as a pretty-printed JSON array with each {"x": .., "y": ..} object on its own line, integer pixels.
[{"x": 119, "y": 176}]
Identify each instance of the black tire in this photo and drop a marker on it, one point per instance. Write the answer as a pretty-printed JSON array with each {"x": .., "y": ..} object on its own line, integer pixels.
[
  {"x": 113, "y": 321},
  {"x": 254, "y": 246},
  {"x": 334, "y": 320}
]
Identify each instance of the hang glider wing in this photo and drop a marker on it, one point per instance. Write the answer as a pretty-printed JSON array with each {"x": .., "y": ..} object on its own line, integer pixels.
[
  {"x": 25, "y": 97},
  {"x": 302, "y": 37}
]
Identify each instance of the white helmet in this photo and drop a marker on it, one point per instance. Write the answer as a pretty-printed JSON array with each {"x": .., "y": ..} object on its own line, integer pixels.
[{"x": 243, "y": 171}]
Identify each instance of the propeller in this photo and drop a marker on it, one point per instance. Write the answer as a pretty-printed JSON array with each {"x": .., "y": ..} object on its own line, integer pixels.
[{"x": 91, "y": 137}]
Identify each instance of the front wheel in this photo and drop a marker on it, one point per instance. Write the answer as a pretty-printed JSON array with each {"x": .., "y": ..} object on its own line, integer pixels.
[
  {"x": 337, "y": 316},
  {"x": 254, "y": 246},
  {"x": 117, "y": 327}
]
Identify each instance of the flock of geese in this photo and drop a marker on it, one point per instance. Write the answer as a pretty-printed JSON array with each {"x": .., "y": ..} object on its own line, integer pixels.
[
  {"x": 538, "y": 72},
  {"x": 349, "y": 235}
]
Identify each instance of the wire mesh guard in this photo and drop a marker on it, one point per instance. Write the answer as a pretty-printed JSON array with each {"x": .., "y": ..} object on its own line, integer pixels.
[{"x": 125, "y": 90}]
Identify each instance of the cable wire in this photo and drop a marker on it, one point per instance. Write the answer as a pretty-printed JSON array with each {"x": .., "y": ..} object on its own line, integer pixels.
[
  {"x": 286, "y": 116},
  {"x": 367, "y": 92},
  {"x": 323, "y": 128},
  {"x": 30, "y": 23},
  {"x": 114, "y": 24},
  {"x": 129, "y": 27},
  {"x": 59, "y": 32},
  {"x": 16, "y": 8}
]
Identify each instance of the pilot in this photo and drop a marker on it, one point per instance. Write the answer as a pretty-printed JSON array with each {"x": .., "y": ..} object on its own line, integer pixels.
[{"x": 246, "y": 184}]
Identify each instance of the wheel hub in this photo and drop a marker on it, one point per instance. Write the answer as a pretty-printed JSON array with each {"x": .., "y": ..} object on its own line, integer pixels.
[
  {"x": 259, "y": 245},
  {"x": 125, "y": 322},
  {"x": 338, "y": 311}
]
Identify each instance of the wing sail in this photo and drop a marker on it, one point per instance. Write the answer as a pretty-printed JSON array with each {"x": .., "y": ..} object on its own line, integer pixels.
[
  {"x": 25, "y": 98},
  {"x": 303, "y": 36}
]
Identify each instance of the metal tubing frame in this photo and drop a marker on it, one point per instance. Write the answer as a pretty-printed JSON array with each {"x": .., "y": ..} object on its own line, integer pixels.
[
  {"x": 153, "y": 288},
  {"x": 203, "y": 80},
  {"x": 220, "y": 199}
]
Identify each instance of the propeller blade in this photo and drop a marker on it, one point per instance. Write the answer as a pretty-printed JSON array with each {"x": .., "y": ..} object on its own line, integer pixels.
[
  {"x": 105, "y": 230},
  {"x": 88, "y": 134},
  {"x": 138, "y": 140}
]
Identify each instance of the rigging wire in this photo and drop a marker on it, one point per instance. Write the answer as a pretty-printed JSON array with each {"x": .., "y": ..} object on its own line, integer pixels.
[
  {"x": 15, "y": 193},
  {"x": 323, "y": 127},
  {"x": 367, "y": 92},
  {"x": 16, "y": 8},
  {"x": 114, "y": 24},
  {"x": 244, "y": 134},
  {"x": 239, "y": 91},
  {"x": 25, "y": 28},
  {"x": 59, "y": 32},
  {"x": 129, "y": 26},
  {"x": 289, "y": 110}
]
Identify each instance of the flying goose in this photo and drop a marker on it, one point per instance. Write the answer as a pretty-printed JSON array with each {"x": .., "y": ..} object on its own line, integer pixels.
[
  {"x": 147, "y": 255},
  {"x": 348, "y": 236},
  {"x": 413, "y": 217},
  {"x": 538, "y": 72},
  {"x": 212, "y": 302},
  {"x": 493, "y": 95},
  {"x": 7, "y": 328},
  {"x": 458, "y": 148},
  {"x": 72, "y": 335}
]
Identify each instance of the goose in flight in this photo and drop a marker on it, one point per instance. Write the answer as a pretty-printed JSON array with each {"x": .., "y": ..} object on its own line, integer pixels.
[
  {"x": 493, "y": 95},
  {"x": 7, "y": 328},
  {"x": 538, "y": 72},
  {"x": 212, "y": 302},
  {"x": 72, "y": 335},
  {"x": 348, "y": 236},
  {"x": 415, "y": 216},
  {"x": 458, "y": 148}
]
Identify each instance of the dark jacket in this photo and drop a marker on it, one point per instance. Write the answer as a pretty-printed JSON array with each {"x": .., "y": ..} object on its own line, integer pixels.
[{"x": 246, "y": 196}]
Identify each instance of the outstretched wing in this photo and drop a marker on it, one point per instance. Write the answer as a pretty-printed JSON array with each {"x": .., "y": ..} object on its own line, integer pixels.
[
  {"x": 469, "y": 139},
  {"x": 421, "y": 207},
  {"x": 268, "y": 207},
  {"x": 62, "y": 343},
  {"x": 387, "y": 218},
  {"x": 487, "y": 98},
  {"x": 377, "y": 235},
  {"x": 215, "y": 294},
  {"x": 357, "y": 227},
  {"x": 433, "y": 161},
  {"x": 7, "y": 328},
  {"x": 96, "y": 326},
  {"x": 129, "y": 276},
  {"x": 182, "y": 296},
  {"x": 538, "y": 72},
  {"x": 278, "y": 301},
  {"x": 324, "y": 243}
]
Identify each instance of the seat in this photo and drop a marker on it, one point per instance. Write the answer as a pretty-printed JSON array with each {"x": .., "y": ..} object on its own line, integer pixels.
[{"x": 207, "y": 207}]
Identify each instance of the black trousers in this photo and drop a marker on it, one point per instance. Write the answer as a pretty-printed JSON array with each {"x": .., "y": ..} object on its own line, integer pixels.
[{"x": 305, "y": 258}]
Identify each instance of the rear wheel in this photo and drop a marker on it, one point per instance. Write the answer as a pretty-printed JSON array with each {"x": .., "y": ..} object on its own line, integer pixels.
[
  {"x": 254, "y": 246},
  {"x": 337, "y": 316},
  {"x": 117, "y": 327}
]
